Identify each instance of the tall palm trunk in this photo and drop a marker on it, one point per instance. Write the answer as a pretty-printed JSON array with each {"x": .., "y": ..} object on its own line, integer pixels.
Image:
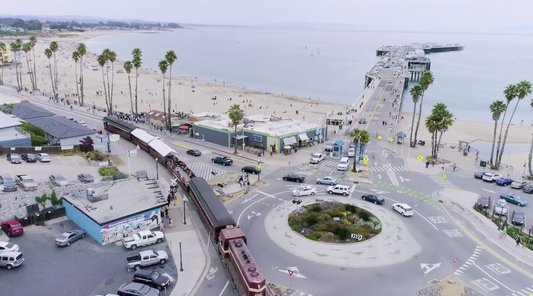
[
  {"x": 131, "y": 96},
  {"x": 493, "y": 142},
  {"x": 29, "y": 70},
  {"x": 412, "y": 125},
  {"x": 76, "y": 82},
  {"x": 3, "y": 66},
  {"x": 19, "y": 83},
  {"x": 530, "y": 157},
  {"x": 34, "y": 69},
  {"x": 164, "y": 102},
  {"x": 136, "y": 98},
  {"x": 108, "y": 88},
  {"x": 56, "y": 77},
  {"x": 52, "y": 78},
  {"x": 440, "y": 139},
  {"x": 112, "y": 84},
  {"x": 495, "y": 165},
  {"x": 105, "y": 93},
  {"x": 505, "y": 136},
  {"x": 20, "y": 71},
  {"x": 419, "y": 116},
  {"x": 169, "y": 118},
  {"x": 82, "y": 103}
]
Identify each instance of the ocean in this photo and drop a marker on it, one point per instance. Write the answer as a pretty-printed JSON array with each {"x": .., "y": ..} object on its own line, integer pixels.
[{"x": 329, "y": 65}]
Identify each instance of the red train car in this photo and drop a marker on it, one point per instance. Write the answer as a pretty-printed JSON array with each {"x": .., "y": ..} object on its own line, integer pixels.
[
  {"x": 118, "y": 126},
  {"x": 247, "y": 278}
]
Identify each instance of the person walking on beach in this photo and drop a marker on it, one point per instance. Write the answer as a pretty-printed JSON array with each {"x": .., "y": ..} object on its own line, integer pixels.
[{"x": 518, "y": 241}]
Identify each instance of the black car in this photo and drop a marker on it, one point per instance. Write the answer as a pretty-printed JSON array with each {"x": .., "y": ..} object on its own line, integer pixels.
[
  {"x": 13, "y": 158},
  {"x": 251, "y": 169},
  {"x": 194, "y": 152},
  {"x": 373, "y": 198},
  {"x": 28, "y": 157},
  {"x": 478, "y": 175},
  {"x": 362, "y": 121},
  {"x": 152, "y": 278},
  {"x": 85, "y": 178},
  {"x": 528, "y": 188},
  {"x": 8, "y": 183},
  {"x": 518, "y": 218},
  {"x": 223, "y": 160},
  {"x": 294, "y": 178}
]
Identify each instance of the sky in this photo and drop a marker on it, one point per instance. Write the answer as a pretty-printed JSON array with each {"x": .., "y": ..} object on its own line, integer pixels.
[{"x": 393, "y": 15}]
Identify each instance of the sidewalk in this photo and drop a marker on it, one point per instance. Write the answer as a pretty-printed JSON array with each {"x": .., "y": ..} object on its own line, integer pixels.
[{"x": 461, "y": 203}]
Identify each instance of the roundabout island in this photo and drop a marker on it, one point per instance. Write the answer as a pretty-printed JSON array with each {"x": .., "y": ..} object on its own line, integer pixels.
[{"x": 385, "y": 239}]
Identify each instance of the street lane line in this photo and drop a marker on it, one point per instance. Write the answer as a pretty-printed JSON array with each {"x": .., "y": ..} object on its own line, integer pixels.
[
  {"x": 426, "y": 219},
  {"x": 393, "y": 179},
  {"x": 513, "y": 291},
  {"x": 245, "y": 209},
  {"x": 373, "y": 112},
  {"x": 224, "y": 289},
  {"x": 269, "y": 195},
  {"x": 179, "y": 145}
]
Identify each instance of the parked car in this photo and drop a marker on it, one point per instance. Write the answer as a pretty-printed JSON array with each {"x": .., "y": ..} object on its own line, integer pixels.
[
  {"x": 294, "y": 178},
  {"x": 491, "y": 177},
  {"x": 304, "y": 191},
  {"x": 146, "y": 258},
  {"x": 194, "y": 152},
  {"x": 504, "y": 181},
  {"x": 518, "y": 184},
  {"x": 351, "y": 152},
  {"x": 518, "y": 218},
  {"x": 362, "y": 120},
  {"x": 12, "y": 228},
  {"x": 317, "y": 158},
  {"x": 479, "y": 175},
  {"x": 403, "y": 209},
  {"x": 58, "y": 180},
  {"x": 153, "y": 278},
  {"x": 7, "y": 183},
  {"x": 373, "y": 198},
  {"x": 85, "y": 178},
  {"x": 528, "y": 188},
  {"x": 43, "y": 157},
  {"x": 339, "y": 189},
  {"x": 28, "y": 157},
  {"x": 13, "y": 158},
  {"x": 27, "y": 183},
  {"x": 514, "y": 199},
  {"x": 137, "y": 289},
  {"x": 500, "y": 208},
  {"x": 223, "y": 160},
  {"x": 251, "y": 169},
  {"x": 484, "y": 201},
  {"x": 69, "y": 237},
  {"x": 329, "y": 146},
  {"x": 10, "y": 260},
  {"x": 8, "y": 247},
  {"x": 328, "y": 180}
]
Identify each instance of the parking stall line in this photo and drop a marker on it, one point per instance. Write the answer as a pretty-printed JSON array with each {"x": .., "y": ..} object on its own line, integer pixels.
[{"x": 74, "y": 159}]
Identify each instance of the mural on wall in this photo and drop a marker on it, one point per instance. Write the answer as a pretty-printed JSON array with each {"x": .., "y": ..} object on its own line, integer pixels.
[{"x": 120, "y": 229}]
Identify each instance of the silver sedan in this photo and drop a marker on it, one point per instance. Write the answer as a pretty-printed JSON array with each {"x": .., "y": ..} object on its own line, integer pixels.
[
  {"x": 328, "y": 180},
  {"x": 69, "y": 237}
]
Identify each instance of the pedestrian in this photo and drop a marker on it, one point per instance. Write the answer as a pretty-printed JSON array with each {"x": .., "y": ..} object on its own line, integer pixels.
[
  {"x": 518, "y": 241},
  {"x": 168, "y": 219},
  {"x": 271, "y": 153},
  {"x": 454, "y": 167},
  {"x": 161, "y": 226},
  {"x": 248, "y": 183},
  {"x": 427, "y": 164},
  {"x": 246, "y": 176},
  {"x": 170, "y": 223}
]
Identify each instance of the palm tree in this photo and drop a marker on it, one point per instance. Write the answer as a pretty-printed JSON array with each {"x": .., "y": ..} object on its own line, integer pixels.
[
  {"x": 110, "y": 56},
  {"x": 496, "y": 108},
  {"x": 19, "y": 44},
  {"x": 137, "y": 63},
  {"x": 3, "y": 48},
  {"x": 425, "y": 81},
  {"x": 236, "y": 114},
  {"x": 360, "y": 138},
  {"x": 76, "y": 57},
  {"x": 163, "y": 66},
  {"x": 54, "y": 47},
  {"x": 171, "y": 57},
  {"x": 445, "y": 118},
  {"x": 102, "y": 60},
  {"x": 33, "y": 42},
  {"x": 523, "y": 88},
  {"x": 82, "y": 50},
  {"x": 416, "y": 93},
  {"x": 48, "y": 53},
  {"x": 26, "y": 47},
  {"x": 128, "y": 66},
  {"x": 432, "y": 126},
  {"x": 531, "y": 149},
  {"x": 13, "y": 47},
  {"x": 509, "y": 93}
]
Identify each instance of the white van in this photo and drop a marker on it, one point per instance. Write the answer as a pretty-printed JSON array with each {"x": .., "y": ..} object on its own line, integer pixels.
[
  {"x": 351, "y": 152},
  {"x": 344, "y": 164},
  {"x": 11, "y": 259}
]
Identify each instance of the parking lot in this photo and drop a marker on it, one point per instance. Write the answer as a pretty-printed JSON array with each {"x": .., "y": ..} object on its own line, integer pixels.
[{"x": 84, "y": 268}]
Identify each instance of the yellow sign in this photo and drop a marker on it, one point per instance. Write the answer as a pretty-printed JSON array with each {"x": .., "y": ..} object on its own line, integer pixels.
[
  {"x": 365, "y": 159},
  {"x": 379, "y": 137},
  {"x": 391, "y": 139},
  {"x": 259, "y": 166},
  {"x": 420, "y": 157},
  {"x": 444, "y": 177}
]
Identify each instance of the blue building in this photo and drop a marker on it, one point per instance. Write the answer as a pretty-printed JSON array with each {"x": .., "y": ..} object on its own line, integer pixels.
[{"x": 117, "y": 210}]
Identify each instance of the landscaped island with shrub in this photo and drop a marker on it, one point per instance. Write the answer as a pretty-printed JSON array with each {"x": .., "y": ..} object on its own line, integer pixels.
[{"x": 332, "y": 221}]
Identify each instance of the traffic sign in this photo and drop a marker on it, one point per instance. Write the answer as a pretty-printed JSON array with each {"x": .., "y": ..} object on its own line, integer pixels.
[
  {"x": 420, "y": 157},
  {"x": 290, "y": 272},
  {"x": 444, "y": 177},
  {"x": 365, "y": 159},
  {"x": 391, "y": 139},
  {"x": 259, "y": 166},
  {"x": 379, "y": 137}
]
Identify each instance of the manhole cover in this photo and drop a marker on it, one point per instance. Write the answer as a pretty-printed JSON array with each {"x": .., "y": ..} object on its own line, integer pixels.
[
  {"x": 109, "y": 282},
  {"x": 433, "y": 282}
]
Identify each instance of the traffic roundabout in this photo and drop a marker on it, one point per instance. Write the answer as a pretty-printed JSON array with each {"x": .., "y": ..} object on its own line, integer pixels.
[{"x": 393, "y": 245}]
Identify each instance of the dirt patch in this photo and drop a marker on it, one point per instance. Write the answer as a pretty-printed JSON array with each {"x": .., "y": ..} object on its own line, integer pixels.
[
  {"x": 116, "y": 160},
  {"x": 451, "y": 287}
]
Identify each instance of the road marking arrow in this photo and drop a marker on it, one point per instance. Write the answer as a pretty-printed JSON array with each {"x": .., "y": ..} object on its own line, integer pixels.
[
  {"x": 489, "y": 190},
  {"x": 292, "y": 271},
  {"x": 379, "y": 191},
  {"x": 253, "y": 215},
  {"x": 379, "y": 176},
  {"x": 404, "y": 179},
  {"x": 429, "y": 267},
  {"x": 230, "y": 211}
]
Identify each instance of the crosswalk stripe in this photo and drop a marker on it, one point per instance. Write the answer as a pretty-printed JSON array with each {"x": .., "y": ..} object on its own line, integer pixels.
[
  {"x": 385, "y": 169},
  {"x": 203, "y": 170}
]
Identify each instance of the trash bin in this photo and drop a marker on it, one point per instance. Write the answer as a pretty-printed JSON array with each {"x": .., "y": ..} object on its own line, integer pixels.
[{"x": 483, "y": 163}]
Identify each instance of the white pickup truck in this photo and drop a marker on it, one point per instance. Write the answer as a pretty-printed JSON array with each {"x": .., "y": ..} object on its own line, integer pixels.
[
  {"x": 26, "y": 182},
  {"x": 143, "y": 238},
  {"x": 146, "y": 258}
]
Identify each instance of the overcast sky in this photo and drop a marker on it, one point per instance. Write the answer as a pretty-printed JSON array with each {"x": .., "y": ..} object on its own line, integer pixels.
[{"x": 416, "y": 15}]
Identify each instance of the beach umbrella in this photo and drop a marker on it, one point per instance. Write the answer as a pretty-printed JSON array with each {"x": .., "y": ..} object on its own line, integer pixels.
[
  {"x": 184, "y": 127},
  {"x": 179, "y": 83},
  {"x": 158, "y": 80},
  {"x": 192, "y": 86}
]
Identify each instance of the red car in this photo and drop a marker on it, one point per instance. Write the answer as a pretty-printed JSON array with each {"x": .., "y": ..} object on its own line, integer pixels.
[{"x": 12, "y": 228}]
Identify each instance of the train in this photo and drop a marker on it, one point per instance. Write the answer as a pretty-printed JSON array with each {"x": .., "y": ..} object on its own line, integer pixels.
[{"x": 230, "y": 241}]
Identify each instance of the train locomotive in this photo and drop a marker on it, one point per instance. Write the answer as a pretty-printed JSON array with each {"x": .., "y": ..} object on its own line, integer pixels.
[{"x": 229, "y": 239}]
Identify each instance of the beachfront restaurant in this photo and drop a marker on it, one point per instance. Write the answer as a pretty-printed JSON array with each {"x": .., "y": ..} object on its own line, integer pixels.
[{"x": 262, "y": 132}]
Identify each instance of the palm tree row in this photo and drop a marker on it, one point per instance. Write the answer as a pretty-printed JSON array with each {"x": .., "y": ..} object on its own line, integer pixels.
[
  {"x": 514, "y": 91},
  {"x": 170, "y": 58},
  {"x": 16, "y": 47},
  {"x": 108, "y": 56},
  {"x": 437, "y": 124},
  {"x": 78, "y": 56}
]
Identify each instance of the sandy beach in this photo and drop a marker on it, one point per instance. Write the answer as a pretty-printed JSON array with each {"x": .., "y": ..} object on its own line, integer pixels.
[{"x": 189, "y": 96}]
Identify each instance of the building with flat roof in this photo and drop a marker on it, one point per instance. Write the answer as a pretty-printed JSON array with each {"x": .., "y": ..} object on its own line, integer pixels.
[
  {"x": 60, "y": 130},
  {"x": 118, "y": 210},
  {"x": 263, "y": 131},
  {"x": 10, "y": 133},
  {"x": 27, "y": 111}
]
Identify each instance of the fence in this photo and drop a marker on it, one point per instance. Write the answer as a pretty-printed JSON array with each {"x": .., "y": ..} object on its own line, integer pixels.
[
  {"x": 43, "y": 149},
  {"x": 41, "y": 216}
]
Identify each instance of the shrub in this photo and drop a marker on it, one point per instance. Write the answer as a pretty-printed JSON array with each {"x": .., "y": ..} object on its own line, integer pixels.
[
  {"x": 364, "y": 215},
  {"x": 313, "y": 236},
  {"x": 315, "y": 208},
  {"x": 350, "y": 208},
  {"x": 96, "y": 156},
  {"x": 108, "y": 171},
  {"x": 311, "y": 219},
  {"x": 119, "y": 175}
]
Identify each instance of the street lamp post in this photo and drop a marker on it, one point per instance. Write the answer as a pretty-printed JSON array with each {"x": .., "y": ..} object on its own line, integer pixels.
[
  {"x": 185, "y": 199},
  {"x": 181, "y": 259},
  {"x": 157, "y": 169}
]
